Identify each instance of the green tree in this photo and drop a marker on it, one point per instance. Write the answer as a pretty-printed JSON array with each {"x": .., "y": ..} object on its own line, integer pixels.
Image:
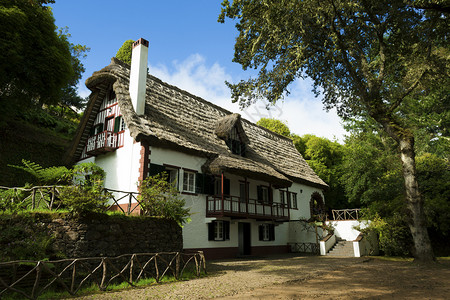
[
  {"x": 275, "y": 125},
  {"x": 322, "y": 155},
  {"x": 325, "y": 158},
  {"x": 86, "y": 193},
  {"x": 372, "y": 176},
  {"x": 124, "y": 53},
  {"x": 35, "y": 61},
  {"x": 366, "y": 57}
]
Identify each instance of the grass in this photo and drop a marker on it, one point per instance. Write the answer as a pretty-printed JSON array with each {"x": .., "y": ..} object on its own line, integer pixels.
[{"x": 94, "y": 289}]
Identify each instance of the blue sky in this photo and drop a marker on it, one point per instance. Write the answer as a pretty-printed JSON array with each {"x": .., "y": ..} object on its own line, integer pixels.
[{"x": 189, "y": 49}]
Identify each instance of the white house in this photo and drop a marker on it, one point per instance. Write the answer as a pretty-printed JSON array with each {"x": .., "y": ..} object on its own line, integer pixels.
[{"x": 246, "y": 185}]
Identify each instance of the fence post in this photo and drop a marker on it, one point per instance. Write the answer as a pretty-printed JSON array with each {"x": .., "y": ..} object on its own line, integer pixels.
[
  {"x": 53, "y": 191},
  {"x": 36, "y": 282},
  {"x": 74, "y": 274},
  {"x": 102, "y": 283},
  {"x": 129, "y": 203},
  {"x": 177, "y": 266},
  {"x": 33, "y": 198},
  {"x": 131, "y": 267},
  {"x": 157, "y": 270}
]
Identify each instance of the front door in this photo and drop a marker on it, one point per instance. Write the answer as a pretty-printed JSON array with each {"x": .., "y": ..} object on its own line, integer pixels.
[{"x": 244, "y": 239}]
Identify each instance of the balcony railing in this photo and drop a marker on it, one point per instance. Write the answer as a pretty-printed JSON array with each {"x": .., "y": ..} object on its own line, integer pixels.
[
  {"x": 102, "y": 142},
  {"x": 232, "y": 206}
]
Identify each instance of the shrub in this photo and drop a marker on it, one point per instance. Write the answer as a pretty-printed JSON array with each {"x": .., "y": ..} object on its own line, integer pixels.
[
  {"x": 12, "y": 201},
  {"x": 393, "y": 234},
  {"x": 87, "y": 193},
  {"x": 160, "y": 198}
]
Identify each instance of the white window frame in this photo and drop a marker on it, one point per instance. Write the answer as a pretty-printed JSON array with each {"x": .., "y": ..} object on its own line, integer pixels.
[
  {"x": 172, "y": 174},
  {"x": 294, "y": 204},
  {"x": 265, "y": 194},
  {"x": 188, "y": 181},
  {"x": 218, "y": 231},
  {"x": 122, "y": 125},
  {"x": 266, "y": 232},
  {"x": 283, "y": 197}
]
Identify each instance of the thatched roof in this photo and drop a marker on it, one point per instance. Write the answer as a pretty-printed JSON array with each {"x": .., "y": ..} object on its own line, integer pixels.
[
  {"x": 178, "y": 120},
  {"x": 225, "y": 125}
]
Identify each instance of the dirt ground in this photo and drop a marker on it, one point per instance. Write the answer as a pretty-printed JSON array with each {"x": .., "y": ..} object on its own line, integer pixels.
[{"x": 304, "y": 277}]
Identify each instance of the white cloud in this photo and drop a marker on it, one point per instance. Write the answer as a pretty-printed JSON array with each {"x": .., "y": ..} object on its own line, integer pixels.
[{"x": 303, "y": 112}]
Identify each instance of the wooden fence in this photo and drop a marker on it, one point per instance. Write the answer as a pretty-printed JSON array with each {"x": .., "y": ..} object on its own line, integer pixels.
[
  {"x": 30, "y": 279},
  {"x": 346, "y": 214},
  {"x": 47, "y": 197},
  {"x": 35, "y": 197}
]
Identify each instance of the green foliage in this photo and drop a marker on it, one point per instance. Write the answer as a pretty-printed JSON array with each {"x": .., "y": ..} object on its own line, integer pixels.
[
  {"x": 45, "y": 176},
  {"x": 393, "y": 235},
  {"x": 367, "y": 58},
  {"x": 86, "y": 194},
  {"x": 434, "y": 182},
  {"x": 325, "y": 158},
  {"x": 372, "y": 176},
  {"x": 124, "y": 53},
  {"x": 159, "y": 198},
  {"x": 322, "y": 155},
  {"x": 35, "y": 62},
  {"x": 275, "y": 125},
  {"x": 24, "y": 237},
  {"x": 12, "y": 201}
]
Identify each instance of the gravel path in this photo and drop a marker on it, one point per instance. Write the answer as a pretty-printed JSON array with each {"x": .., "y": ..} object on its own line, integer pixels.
[{"x": 300, "y": 277}]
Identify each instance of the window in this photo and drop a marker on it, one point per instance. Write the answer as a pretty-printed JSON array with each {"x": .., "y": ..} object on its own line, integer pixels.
[
  {"x": 111, "y": 99},
  {"x": 235, "y": 144},
  {"x": 172, "y": 176},
  {"x": 217, "y": 186},
  {"x": 266, "y": 232},
  {"x": 219, "y": 231},
  {"x": 263, "y": 194},
  {"x": 282, "y": 197},
  {"x": 119, "y": 124},
  {"x": 294, "y": 200},
  {"x": 188, "y": 181},
  {"x": 243, "y": 192}
]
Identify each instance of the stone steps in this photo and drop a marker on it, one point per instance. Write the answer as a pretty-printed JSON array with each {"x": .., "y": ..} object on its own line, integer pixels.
[{"x": 342, "y": 248}]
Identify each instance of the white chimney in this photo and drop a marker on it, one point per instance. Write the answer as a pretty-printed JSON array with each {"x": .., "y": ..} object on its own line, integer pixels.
[{"x": 138, "y": 75}]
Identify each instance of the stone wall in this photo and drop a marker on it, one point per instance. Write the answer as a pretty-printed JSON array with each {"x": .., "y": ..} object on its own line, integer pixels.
[{"x": 103, "y": 235}]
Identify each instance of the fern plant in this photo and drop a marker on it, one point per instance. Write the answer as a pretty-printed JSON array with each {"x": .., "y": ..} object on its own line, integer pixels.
[{"x": 45, "y": 176}]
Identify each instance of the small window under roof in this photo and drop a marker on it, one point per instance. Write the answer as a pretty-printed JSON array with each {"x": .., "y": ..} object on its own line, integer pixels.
[{"x": 229, "y": 128}]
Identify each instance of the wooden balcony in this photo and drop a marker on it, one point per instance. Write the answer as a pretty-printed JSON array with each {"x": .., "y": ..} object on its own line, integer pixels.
[
  {"x": 235, "y": 207},
  {"x": 105, "y": 141}
]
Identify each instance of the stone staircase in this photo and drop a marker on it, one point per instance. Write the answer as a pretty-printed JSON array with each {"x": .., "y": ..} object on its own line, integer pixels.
[{"x": 342, "y": 248}]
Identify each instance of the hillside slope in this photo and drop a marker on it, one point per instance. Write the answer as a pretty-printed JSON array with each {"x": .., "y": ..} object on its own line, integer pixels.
[{"x": 22, "y": 140}]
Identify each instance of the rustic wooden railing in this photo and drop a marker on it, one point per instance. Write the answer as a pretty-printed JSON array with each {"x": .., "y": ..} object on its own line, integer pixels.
[
  {"x": 127, "y": 200},
  {"x": 30, "y": 279},
  {"x": 35, "y": 197},
  {"x": 46, "y": 197},
  {"x": 305, "y": 248},
  {"x": 346, "y": 214}
]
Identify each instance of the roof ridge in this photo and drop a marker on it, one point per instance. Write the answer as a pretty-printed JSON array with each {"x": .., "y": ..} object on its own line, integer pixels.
[{"x": 115, "y": 60}]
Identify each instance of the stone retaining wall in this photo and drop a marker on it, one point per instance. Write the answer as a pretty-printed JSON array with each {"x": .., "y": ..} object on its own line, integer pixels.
[{"x": 103, "y": 235}]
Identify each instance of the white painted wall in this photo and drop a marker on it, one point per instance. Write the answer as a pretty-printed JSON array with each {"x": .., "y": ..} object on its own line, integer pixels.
[
  {"x": 326, "y": 245},
  {"x": 121, "y": 166},
  {"x": 368, "y": 245},
  {"x": 345, "y": 229}
]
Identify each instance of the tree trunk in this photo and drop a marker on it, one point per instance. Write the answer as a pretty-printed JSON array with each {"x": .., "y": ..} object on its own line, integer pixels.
[{"x": 414, "y": 202}]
